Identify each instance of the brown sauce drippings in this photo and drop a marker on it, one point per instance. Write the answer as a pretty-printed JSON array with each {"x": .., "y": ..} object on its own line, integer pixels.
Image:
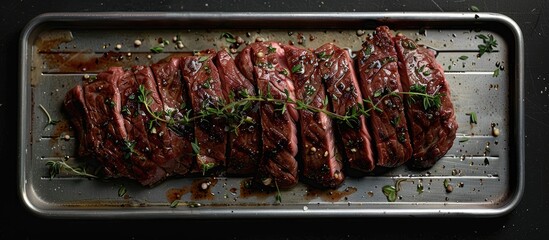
[
  {"x": 196, "y": 190},
  {"x": 329, "y": 195},
  {"x": 251, "y": 188}
]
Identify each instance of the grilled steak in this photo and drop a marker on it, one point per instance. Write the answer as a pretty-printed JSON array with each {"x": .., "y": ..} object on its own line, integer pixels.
[
  {"x": 378, "y": 69},
  {"x": 105, "y": 125},
  {"x": 244, "y": 63},
  {"x": 322, "y": 164},
  {"x": 136, "y": 145},
  {"x": 202, "y": 79},
  {"x": 160, "y": 137},
  {"x": 171, "y": 91},
  {"x": 278, "y": 120},
  {"x": 337, "y": 71},
  {"x": 244, "y": 141},
  {"x": 432, "y": 124},
  {"x": 74, "y": 105}
]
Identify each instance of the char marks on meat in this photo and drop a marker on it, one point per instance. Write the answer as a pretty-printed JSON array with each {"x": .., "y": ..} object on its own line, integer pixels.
[
  {"x": 160, "y": 137},
  {"x": 136, "y": 146},
  {"x": 105, "y": 124},
  {"x": 337, "y": 71},
  {"x": 378, "y": 69},
  {"x": 202, "y": 79},
  {"x": 174, "y": 118},
  {"x": 432, "y": 129},
  {"x": 278, "y": 120},
  {"x": 173, "y": 95},
  {"x": 322, "y": 164},
  {"x": 244, "y": 141}
]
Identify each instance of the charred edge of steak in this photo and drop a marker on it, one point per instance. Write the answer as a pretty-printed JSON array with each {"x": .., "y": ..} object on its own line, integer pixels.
[
  {"x": 243, "y": 152},
  {"x": 202, "y": 79},
  {"x": 379, "y": 76},
  {"x": 278, "y": 121},
  {"x": 432, "y": 130},
  {"x": 322, "y": 164}
]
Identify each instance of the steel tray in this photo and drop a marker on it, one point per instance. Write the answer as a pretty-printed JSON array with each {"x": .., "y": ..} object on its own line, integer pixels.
[{"x": 485, "y": 170}]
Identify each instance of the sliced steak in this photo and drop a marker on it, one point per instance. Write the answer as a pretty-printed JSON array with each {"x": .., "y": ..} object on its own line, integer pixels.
[
  {"x": 202, "y": 79},
  {"x": 159, "y": 136},
  {"x": 244, "y": 63},
  {"x": 136, "y": 145},
  {"x": 379, "y": 77},
  {"x": 278, "y": 120},
  {"x": 105, "y": 124},
  {"x": 322, "y": 164},
  {"x": 337, "y": 72},
  {"x": 74, "y": 105},
  {"x": 432, "y": 126},
  {"x": 244, "y": 141},
  {"x": 172, "y": 93}
]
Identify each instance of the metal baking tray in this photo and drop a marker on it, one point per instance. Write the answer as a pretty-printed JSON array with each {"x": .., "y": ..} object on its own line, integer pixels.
[{"x": 486, "y": 171}]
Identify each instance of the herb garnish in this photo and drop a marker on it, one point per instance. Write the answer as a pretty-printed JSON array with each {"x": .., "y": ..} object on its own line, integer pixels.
[
  {"x": 391, "y": 191},
  {"x": 298, "y": 68},
  {"x": 157, "y": 49},
  {"x": 122, "y": 191},
  {"x": 174, "y": 203},
  {"x": 56, "y": 166},
  {"x": 474, "y": 8},
  {"x": 271, "y": 49},
  {"x": 463, "y": 57},
  {"x": 419, "y": 92},
  {"x": 228, "y": 37},
  {"x": 203, "y": 58},
  {"x": 496, "y": 73},
  {"x": 50, "y": 121},
  {"x": 489, "y": 43},
  {"x": 128, "y": 148},
  {"x": 206, "y": 167},
  {"x": 472, "y": 117},
  {"x": 235, "y": 112},
  {"x": 278, "y": 196}
]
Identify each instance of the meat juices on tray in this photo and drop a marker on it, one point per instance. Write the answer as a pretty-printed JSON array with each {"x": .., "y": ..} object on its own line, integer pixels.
[
  {"x": 379, "y": 77},
  {"x": 202, "y": 79},
  {"x": 278, "y": 121},
  {"x": 244, "y": 151},
  {"x": 432, "y": 127},
  {"x": 322, "y": 164},
  {"x": 337, "y": 72}
]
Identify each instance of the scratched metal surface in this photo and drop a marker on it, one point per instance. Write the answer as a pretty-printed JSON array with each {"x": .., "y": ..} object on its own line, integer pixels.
[{"x": 484, "y": 170}]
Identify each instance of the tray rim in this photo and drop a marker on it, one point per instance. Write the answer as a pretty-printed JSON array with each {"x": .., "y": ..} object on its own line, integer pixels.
[{"x": 386, "y": 17}]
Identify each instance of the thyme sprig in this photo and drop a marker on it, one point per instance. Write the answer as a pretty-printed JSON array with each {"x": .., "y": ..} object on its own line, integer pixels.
[
  {"x": 56, "y": 167},
  {"x": 235, "y": 111},
  {"x": 50, "y": 120}
]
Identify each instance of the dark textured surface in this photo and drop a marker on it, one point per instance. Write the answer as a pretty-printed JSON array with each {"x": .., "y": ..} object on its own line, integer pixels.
[{"x": 527, "y": 221}]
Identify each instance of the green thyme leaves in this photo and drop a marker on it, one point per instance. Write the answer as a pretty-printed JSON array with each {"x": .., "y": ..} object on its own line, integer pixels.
[{"x": 488, "y": 44}]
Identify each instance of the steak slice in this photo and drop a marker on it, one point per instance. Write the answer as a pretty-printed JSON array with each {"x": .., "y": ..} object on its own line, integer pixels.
[
  {"x": 136, "y": 143},
  {"x": 278, "y": 166},
  {"x": 159, "y": 136},
  {"x": 432, "y": 126},
  {"x": 244, "y": 146},
  {"x": 105, "y": 124},
  {"x": 172, "y": 93},
  {"x": 202, "y": 79},
  {"x": 379, "y": 77},
  {"x": 74, "y": 105},
  {"x": 337, "y": 72},
  {"x": 322, "y": 164},
  {"x": 244, "y": 63}
]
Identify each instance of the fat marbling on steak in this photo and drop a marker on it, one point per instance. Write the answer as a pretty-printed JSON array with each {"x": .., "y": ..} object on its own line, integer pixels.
[
  {"x": 379, "y": 77},
  {"x": 432, "y": 126}
]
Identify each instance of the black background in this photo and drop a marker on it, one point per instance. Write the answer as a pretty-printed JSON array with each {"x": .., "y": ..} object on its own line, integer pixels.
[{"x": 526, "y": 221}]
